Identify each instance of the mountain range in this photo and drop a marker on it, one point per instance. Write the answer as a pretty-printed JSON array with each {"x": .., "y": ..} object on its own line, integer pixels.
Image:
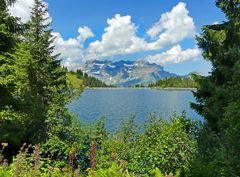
[{"x": 126, "y": 73}]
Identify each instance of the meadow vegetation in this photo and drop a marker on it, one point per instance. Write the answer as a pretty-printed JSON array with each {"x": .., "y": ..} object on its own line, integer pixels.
[{"x": 164, "y": 147}]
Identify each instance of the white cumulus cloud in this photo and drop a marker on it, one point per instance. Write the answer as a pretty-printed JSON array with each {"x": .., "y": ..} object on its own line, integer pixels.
[
  {"x": 85, "y": 33},
  {"x": 23, "y": 8},
  {"x": 119, "y": 38},
  {"x": 72, "y": 50},
  {"x": 174, "y": 55},
  {"x": 172, "y": 28}
]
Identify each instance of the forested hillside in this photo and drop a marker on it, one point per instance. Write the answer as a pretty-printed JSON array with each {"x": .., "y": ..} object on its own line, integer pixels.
[
  {"x": 79, "y": 81},
  {"x": 89, "y": 81},
  {"x": 175, "y": 82}
]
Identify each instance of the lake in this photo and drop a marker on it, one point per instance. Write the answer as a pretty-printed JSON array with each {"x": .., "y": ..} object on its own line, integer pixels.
[{"x": 117, "y": 104}]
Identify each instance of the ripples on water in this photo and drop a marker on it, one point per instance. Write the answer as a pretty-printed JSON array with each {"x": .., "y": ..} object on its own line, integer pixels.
[{"x": 118, "y": 104}]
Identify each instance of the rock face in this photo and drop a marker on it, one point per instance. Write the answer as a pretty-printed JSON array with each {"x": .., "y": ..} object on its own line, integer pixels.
[{"x": 125, "y": 73}]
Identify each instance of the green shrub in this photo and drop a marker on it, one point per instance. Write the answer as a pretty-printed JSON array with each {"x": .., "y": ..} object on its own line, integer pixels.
[
  {"x": 113, "y": 171},
  {"x": 169, "y": 146}
]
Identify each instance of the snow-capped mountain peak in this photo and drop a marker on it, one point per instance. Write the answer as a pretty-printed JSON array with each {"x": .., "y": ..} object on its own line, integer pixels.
[{"x": 125, "y": 73}]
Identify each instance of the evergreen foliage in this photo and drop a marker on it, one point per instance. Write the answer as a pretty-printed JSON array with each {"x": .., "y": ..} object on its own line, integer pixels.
[
  {"x": 7, "y": 44},
  {"x": 218, "y": 95},
  {"x": 11, "y": 117},
  {"x": 89, "y": 81},
  {"x": 176, "y": 82},
  {"x": 48, "y": 86},
  {"x": 33, "y": 86}
]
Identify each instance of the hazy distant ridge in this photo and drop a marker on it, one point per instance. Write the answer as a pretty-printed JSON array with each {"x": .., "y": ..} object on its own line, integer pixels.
[{"x": 125, "y": 73}]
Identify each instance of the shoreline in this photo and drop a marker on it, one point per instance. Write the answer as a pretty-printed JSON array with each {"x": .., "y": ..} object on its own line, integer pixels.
[
  {"x": 175, "y": 88},
  {"x": 142, "y": 88}
]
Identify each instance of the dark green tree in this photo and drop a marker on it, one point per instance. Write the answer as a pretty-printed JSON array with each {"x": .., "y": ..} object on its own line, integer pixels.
[
  {"x": 218, "y": 95},
  {"x": 89, "y": 81},
  {"x": 79, "y": 74},
  {"x": 33, "y": 85},
  {"x": 11, "y": 117},
  {"x": 8, "y": 29},
  {"x": 177, "y": 82},
  {"x": 48, "y": 90}
]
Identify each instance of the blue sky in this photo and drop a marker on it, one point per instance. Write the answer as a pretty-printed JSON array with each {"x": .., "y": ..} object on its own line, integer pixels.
[
  {"x": 78, "y": 24},
  {"x": 68, "y": 16}
]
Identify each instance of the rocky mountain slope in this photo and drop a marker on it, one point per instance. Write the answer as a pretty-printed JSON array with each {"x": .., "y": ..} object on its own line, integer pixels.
[{"x": 125, "y": 73}]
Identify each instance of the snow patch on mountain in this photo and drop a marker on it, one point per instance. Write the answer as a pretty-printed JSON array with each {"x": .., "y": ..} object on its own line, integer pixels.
[{"x": 125, "y": 73}]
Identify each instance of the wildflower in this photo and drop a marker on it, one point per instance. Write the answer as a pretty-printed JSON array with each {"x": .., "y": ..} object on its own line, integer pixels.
[
  {"x": 73, "y": 155},
  {"x": 1, "y": 159},
  {"x": 92, "y": 156},
  {"x": 4, "y": 145},
  {"x": 36, "y": 155}
]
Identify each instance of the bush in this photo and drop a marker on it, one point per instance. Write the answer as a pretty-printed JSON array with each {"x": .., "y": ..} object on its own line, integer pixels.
[
  {"x": 164, "y": 147},
  {"x": 167, "y": 145}
]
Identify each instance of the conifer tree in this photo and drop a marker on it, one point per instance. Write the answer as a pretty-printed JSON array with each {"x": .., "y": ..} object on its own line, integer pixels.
[
  {"x": 8, "y": 28},
  {"x": 33, "y": 85},
  {"x": 48, "y": 86},
  {"x": 218, "y": 97},
  {"x": 11, "y": 118}
]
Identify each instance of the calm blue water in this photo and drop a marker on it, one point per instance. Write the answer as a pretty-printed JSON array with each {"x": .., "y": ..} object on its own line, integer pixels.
[{"x": 118, "y": 104}]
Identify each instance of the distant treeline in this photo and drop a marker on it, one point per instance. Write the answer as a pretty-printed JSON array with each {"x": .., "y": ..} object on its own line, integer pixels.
[
  {"x": 177, "y": 82},
  {"x": 89, "y": 81}
]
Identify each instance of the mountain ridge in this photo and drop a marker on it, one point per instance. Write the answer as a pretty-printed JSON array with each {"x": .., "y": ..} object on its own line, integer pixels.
[{"x": 125, "y": 73}]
